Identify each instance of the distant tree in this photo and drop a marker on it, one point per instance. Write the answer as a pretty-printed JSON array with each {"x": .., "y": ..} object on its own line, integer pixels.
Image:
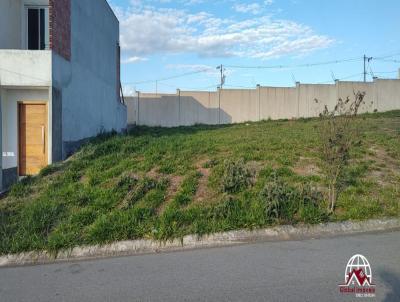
[{"x": 339, "y": 132}]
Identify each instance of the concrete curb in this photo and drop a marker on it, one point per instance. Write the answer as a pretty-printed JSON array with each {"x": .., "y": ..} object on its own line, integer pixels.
[{"x": 142, "y": 246}]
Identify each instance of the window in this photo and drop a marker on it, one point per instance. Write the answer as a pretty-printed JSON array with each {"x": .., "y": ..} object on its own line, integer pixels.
[{"x": 38, "y": 28}]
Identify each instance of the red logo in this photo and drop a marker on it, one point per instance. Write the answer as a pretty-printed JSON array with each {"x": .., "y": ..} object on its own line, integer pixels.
[{"x": 358, "y": 278}]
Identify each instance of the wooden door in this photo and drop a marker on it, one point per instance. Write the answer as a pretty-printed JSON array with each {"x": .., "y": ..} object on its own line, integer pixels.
[{"x": 32, "y": 120}]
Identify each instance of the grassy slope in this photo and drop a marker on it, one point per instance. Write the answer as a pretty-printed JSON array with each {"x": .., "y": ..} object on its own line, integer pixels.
[{"x": 164, "y": 183}]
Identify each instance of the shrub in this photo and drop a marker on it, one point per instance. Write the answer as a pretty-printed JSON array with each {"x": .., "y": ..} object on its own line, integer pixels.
[
  {"x": 280, "y": 199},
  {"x": 339, "y": 132},
  {"x": 310, "y": 209},
  {"x": 292, "y": 203},
  {"x": 236, "y": 176}
]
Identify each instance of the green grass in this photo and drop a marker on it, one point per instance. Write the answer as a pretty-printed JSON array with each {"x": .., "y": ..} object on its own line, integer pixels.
[{"x": 166, "y": 183}]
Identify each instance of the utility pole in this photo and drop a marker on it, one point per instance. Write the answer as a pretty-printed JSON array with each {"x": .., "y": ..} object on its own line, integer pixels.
[
  {"x": 156, "y": 87},
  {"x": 222, "y": 72},
  {"x": 222, "y": 79},
  {"x": 366, "y": 59}
]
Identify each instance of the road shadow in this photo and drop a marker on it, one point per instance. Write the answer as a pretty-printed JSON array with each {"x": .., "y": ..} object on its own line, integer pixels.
[{"x": 392, "y": 281}]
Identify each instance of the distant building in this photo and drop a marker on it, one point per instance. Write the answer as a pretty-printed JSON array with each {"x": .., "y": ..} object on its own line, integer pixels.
[{"x": 59, "y": 80}]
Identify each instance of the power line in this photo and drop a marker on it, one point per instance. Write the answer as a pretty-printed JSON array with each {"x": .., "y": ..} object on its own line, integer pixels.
[
  {"x": 222, "y": 68},
  {"x": 294, "y": 66},
  {"x": 190, "y": 88},
  {"x": 342, "y": 78},
  {"x": 391, "y": 61},
  {"x": 387, "y": 56},
  {"x": 394, "y": 71},
  {"x": 371, "y": 71},
  {"x": 366, "y": 60},
  {"x": 239, "y": 86},
  {"x": 169, "y": 78}
]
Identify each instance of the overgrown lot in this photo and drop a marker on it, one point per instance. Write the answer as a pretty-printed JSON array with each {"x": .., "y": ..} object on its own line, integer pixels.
[{"x": 165, "y": 183}]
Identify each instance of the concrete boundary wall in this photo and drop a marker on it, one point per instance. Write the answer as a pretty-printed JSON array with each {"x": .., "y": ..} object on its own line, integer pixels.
[{"x": 227, "y": 106}]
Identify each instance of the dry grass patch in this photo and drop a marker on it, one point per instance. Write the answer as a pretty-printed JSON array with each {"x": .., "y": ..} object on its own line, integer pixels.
[
  {"x": 306, "y": 166},
  {"x": 386, "y": 169},
  {"x": 175, "y": 182}
]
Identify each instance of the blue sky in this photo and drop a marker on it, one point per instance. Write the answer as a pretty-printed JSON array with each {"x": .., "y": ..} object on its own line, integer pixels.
[{"x": 164, "y": 38}]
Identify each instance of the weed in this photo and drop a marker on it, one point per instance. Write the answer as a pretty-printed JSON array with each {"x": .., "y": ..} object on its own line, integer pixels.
[
  {"x": 236, "y": 176},
  {"x": 289, "y": 203}
]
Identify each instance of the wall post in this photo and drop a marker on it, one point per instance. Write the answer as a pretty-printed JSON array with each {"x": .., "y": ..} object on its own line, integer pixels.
[
  {"x": 337, "y": 91},
  {"x": 178, "y": 93},
  {"x": 138, "y": 108},
  {"x": 258, "y": 87},
  {"x": 298, "y": 99},
  {"x": 219, "y": 105},
  {"x": 376, "y": 93}
]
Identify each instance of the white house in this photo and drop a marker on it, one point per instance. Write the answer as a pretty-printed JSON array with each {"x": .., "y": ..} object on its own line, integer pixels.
[{"x": 59, "y": 80}]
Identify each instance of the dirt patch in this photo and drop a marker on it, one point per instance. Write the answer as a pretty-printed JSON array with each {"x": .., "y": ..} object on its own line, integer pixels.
[
  {"x": 205, "y": 195},
  {"x": 202, "y": 192},
  {"x": 175, "y": 182},
  {"x": 154, "y": 174},
  {"x": 84, "y": 179},
  {"x": 255, "y": 167},
  {"x": 128, "y": 197},
  {"x": 386, "y": 169},
  {"x": 382, "y": 157},
  {"x": 306, "y": 166}
]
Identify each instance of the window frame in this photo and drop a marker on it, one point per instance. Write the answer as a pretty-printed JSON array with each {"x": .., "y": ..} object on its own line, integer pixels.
[{"x": 27, "y": 7}]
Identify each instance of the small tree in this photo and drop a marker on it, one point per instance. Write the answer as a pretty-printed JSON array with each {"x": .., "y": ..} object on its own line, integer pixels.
[{"x": 339, "y": 131}]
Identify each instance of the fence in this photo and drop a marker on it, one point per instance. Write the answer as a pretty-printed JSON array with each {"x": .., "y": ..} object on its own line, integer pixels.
[{"x": 240, "y": 105}]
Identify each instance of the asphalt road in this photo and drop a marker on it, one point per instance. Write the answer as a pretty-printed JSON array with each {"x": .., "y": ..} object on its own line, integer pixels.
[{"x": 307, "y": 270}]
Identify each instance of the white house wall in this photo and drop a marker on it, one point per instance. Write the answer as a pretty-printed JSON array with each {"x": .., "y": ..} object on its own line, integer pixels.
[
  {"x": 25, "y": 68},
  {"x": 13, "y": 22},
  {"x": 10, "y": 24},
  {"x": 9, "y": 105}
]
